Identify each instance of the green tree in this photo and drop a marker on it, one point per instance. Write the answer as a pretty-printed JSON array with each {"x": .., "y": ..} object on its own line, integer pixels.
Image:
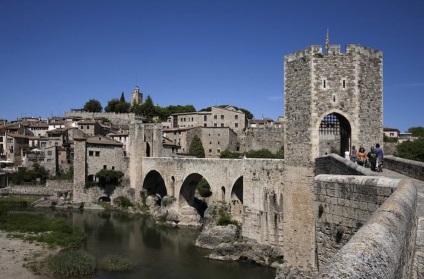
[
  {"x": 117, "y": 106},
  {"x": 111, "y": 105},
  {"x": 412, "y": 150},
  {"x": 196, "y": 148},
  {"x": 93, "y": 106},
  {"x": 416, "y": 131},
  {"x": 204, "y": 188},
  {"x": 122, "y": 98},
  {"x": 147, "y": 109},
  {"x": 111, "y": 177}
]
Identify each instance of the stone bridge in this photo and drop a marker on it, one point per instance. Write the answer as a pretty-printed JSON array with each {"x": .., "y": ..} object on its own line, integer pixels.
[{"x": 252, "y": 188}]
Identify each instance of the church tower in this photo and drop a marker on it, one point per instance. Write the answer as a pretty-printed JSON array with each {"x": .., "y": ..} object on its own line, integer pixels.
[{"x": 136, "y": 97}]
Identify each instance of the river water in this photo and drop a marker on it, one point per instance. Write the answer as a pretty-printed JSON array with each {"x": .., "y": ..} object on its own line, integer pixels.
[{"x": 158, "y": 252}]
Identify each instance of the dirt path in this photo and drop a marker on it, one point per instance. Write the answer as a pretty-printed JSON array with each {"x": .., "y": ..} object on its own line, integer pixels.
[{"x": 15, "y": 254}]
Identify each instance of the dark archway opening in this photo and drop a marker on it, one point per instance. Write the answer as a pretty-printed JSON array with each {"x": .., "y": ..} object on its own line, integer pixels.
[
  {"x": 189, "y": 196},
  {"x": 237, "y": 199},
  {"x": 334, "y": 134},
  {"x": 104, "y": 199},
  {"x": 154, "y": 184},
  {"x": 147, "y": 149}
]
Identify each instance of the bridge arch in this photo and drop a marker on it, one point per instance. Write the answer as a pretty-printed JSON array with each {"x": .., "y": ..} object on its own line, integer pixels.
[
  {"x": 154, "y": 184},
  {"x": 236, "y": 199},
  {"x": 334, "y": 133},
  {"x": 187, "y": 194}
]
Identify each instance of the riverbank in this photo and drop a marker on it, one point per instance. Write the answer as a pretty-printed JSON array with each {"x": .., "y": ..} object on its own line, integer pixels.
[{"x": 19, "y": 259}]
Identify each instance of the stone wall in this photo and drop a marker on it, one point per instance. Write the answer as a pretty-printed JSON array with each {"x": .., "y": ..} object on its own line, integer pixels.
[
  {"x": 342, "y": 205},
  {"x": 389, "y": 148},
  {"x": 115, "y": 118},
  {"x": 258, "y": 138},
  {"x": 60, "y": 184},
  {"x": 27, "y": 190},
  {"x": 409, "y": 168},
  {"x": 383, "y": 247}
]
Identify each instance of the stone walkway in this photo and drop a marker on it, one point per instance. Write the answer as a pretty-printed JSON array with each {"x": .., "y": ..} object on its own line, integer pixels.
[{"x": 418, "y": 268}]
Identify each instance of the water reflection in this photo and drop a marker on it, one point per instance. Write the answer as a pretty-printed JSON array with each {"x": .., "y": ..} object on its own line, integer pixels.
[{"x": 157, "y": 251}]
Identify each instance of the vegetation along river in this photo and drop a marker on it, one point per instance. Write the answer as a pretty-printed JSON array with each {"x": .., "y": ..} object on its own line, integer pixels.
[{"x": 157, "y": 251}]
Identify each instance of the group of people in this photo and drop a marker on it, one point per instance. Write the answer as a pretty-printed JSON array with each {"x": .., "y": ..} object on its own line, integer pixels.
[{"x": 373, "y": 159}]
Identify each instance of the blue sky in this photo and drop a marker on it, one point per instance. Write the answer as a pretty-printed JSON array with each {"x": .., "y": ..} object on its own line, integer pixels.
[{"x": 56, "y": 55}]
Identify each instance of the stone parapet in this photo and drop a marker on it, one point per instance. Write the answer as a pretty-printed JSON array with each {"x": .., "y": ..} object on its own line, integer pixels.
[
  {"x": 383, "y": 247},
  {"x": 409, "y": 168}
]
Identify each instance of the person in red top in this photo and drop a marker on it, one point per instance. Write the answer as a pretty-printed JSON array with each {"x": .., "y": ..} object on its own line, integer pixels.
[{"x": 361, "y": 157}]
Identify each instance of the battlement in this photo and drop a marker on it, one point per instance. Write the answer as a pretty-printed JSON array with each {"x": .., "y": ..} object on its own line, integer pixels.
[{"x": 351, "y": 49}]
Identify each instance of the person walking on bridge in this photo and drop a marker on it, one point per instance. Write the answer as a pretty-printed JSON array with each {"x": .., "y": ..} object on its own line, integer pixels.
[
  {"x": 372, "y": 158},
  {"x": 380, "y": 156}
]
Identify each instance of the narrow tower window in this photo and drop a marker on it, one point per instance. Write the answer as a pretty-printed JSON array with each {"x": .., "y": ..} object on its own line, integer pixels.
[
  {"x": 324, "y": 83},
  {"x": 344, "y": 84}
]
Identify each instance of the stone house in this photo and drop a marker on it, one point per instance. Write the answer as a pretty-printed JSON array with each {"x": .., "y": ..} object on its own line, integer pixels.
[
  {"x": 216, "y": 117},
  {"x": 103, "y": 153},
  {"x": 90, "y": 127}
]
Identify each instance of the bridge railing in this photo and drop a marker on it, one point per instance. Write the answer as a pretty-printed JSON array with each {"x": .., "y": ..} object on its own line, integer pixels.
[
  {"x": 384, "y": 246},
  {"x": 407, "y": 167}
]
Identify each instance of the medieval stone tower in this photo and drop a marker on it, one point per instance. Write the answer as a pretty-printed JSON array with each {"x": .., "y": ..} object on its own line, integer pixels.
[
  {"x": 136, "y": 96},
  {"x": 333, "y": 101},
  {"x": 332, "y": 97}
]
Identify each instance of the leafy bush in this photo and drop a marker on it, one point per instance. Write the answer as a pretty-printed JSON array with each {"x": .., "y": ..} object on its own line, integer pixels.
[
  {"x": 111, "y": 177},
  {"x": 68, "y": 175},
  {"x": 261, "y": 153},
  {"x": 115, "y": 263},
  {"x": 72, "y": 263},
  {"x": 204, "y": 188},
  {"x": 412, "y": 150},
  {"x": 225, "y": 219},
  {"x": 31, "y": 175},
  {"x": 122, "y": 201}
]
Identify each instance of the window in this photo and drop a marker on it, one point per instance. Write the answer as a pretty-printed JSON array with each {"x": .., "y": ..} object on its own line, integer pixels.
[
  {"x": 82, "y": 127},
  {"x": 205, "y": 125},
  {"x": 222, "y": 124},
  {"x": 88, "y": 127},
  {"x": 324, "y": 83},
  {"x": 218, "y": 151},
  {"x": 215, "y": 125},
  {"x": 104, "y": 167},
  {"x": 113, "y": 167},
  {"x": 344, "y": 83},
  {"x": 218, "y": 142},
  {"x": 215, "y": 117},
  {"x": 236, "y": 116},
  {"x": 222, "y": 116},
  {"x": 90, "y": 153},
  {"x": 210, "y": 150},
  {"x": 50, "y": 153},
  {"x": 210, "y": 142},
  {"x": 97, "y": 153},
  {"x": 236, "y": 125},
  {"x": 205, "y": 118}
]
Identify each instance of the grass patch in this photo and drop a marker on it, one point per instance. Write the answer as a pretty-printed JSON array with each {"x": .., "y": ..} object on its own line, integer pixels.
[
  {"x": 39, "y": 227},
  {"x": 15, "y": 202},
  {"x": 115, "y": 263},
  {"x": 72, "y": 263}
]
